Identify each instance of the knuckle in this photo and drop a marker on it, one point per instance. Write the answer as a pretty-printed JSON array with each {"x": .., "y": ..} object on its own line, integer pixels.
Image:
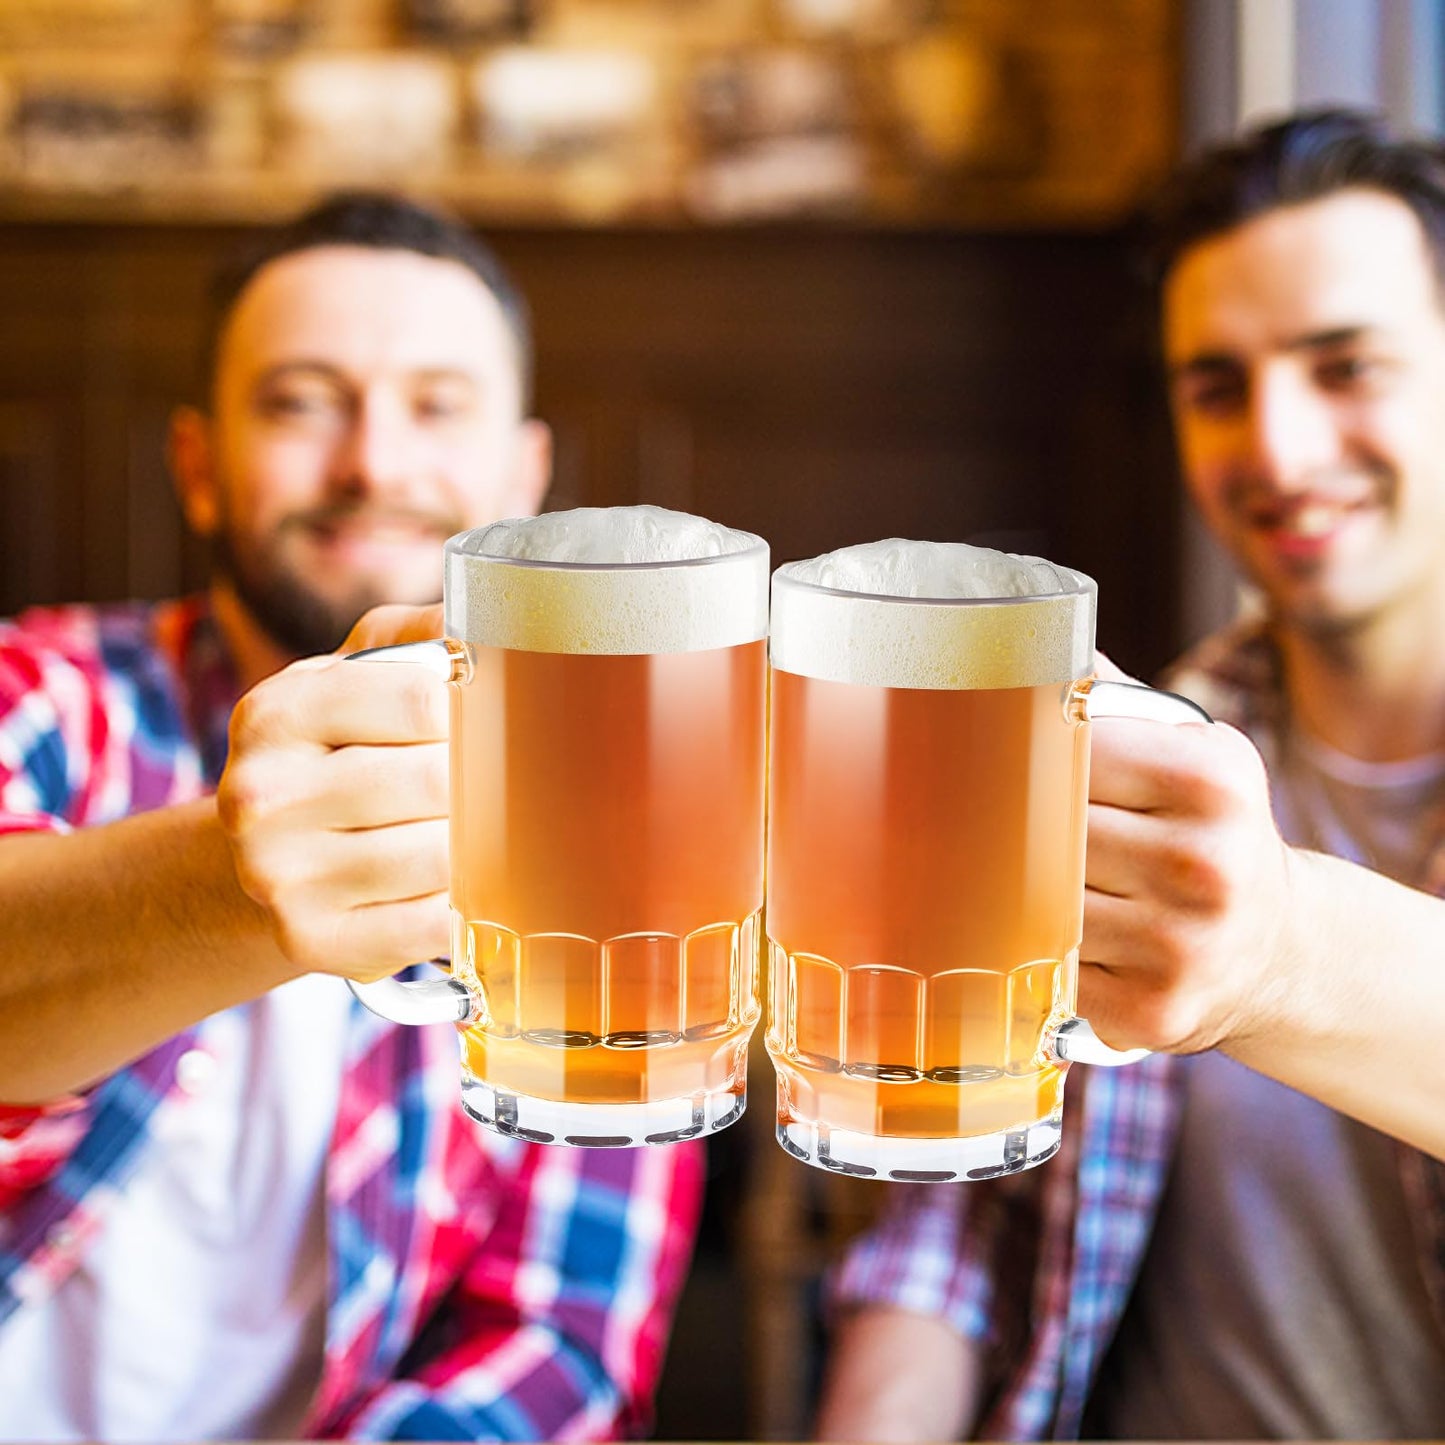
[
  {"x": 1163, "y": 943},
  {"x": 1200, "y": 877},
  {"x": 240, "y": 799},
  {"x": 259, "y": 711},
  {"x": 306, "y": 929},
  {"x": 1158, "y": 1012},
  {"x": 1204, "y": 787},
  {"x": 246, "y": 720},
  {"x": 258, "y": 881},
  {"x": 299, "y": 943}
]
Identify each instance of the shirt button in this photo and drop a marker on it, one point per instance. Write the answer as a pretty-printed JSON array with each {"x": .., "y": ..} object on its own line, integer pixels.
[
  {"x": 62, "y": 1238},
  {"x": 195, "y": 1071}
]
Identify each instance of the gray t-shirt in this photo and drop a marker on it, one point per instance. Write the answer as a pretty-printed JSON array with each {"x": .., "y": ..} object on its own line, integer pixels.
[{"x": 1281, "y": 1295}]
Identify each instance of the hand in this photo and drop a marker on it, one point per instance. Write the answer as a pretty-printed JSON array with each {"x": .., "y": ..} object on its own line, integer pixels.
[
  {"x": 334, "y": 801},
  {"x": 1187, "y": 886}
]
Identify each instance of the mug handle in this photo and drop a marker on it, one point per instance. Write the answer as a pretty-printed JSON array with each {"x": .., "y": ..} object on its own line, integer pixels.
[
  {"x": 432, "y": 1000},
  {"x": 1072, "y": 1040}
]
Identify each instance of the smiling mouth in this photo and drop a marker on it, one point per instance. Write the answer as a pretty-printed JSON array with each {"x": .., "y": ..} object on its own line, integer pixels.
[{"x": 1309, "y": 518}]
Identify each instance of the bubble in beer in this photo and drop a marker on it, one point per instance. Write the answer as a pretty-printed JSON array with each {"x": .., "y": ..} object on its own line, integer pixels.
[
  {"x": 898, "y": 567},
  {"x": 615, "y": 535},
  {"x": 946, "y": 615},
  {"x": 608, "y": 581}
]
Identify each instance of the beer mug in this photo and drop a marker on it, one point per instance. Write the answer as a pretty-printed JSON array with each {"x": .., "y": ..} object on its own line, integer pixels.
[
  {"x": 608, "y": 676},
  {"x": 929, "y": 760}
]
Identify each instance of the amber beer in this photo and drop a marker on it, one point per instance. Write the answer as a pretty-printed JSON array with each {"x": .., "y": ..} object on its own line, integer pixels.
[
  {"x": 925, "y": 880},
  {"x": 607, "y": 836}
]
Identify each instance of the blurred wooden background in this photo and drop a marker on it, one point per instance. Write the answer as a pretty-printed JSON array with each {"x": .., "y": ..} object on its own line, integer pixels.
[{"x": 818, "y": 386}]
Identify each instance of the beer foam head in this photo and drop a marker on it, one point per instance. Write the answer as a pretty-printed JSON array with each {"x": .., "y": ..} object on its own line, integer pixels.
[
  {"x": 607, "y": 580},
  {"x": 898, "y": 567},
  {"x": 607, "y": 535},
  {"x": 945, "y": 615}
]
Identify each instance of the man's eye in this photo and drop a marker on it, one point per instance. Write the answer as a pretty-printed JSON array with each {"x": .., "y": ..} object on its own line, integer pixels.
[
  {"x": 1347, "y": 371},
  {"x": 442, "y": 406},
  {"x": 1213, "y": 398},
  {"x": 298, "y": 404}
]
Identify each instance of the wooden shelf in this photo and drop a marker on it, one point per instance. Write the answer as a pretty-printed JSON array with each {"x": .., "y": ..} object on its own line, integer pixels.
[{"x": 967, "y": 114}]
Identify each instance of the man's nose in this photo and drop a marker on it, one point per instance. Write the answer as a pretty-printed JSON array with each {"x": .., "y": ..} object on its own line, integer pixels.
[
  {"x": 1292, "y": 431},
  {"x": 377, "y": 453}
]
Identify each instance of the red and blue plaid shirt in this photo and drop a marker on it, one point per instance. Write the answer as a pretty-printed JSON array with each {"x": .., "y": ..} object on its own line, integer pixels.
[
  {"x": 480, "y": 1288},
  {"x": 1037, "y": 1268}
]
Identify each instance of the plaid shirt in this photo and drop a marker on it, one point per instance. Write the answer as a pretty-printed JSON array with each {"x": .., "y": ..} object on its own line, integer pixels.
[
  {"x": 480, "y": 1288},
  {"x": 1037, "y": 1268}
]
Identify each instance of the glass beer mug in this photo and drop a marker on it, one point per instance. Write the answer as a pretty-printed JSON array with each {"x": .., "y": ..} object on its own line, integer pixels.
[
  {"x": 929, "y": 758},
  {"x": 607, "y": 753}
]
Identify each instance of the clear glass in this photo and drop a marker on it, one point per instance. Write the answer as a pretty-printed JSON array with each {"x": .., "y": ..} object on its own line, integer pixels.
[
  {"x": 926, "y": 877},
  {"x": 607, "y": 790},
  {"x": 607, "y": 882}
]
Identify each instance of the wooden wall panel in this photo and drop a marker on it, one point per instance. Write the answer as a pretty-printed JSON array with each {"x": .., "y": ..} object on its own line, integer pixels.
[{"x": 820, "y": 387}]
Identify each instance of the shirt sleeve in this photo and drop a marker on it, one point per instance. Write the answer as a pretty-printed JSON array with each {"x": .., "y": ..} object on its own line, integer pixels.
[
  {"x": 558, "y": 1328},
  {"x": 48, "y": 711},
  {"x": 45, "y": 707},
  {"x": 936, "y": 1250}
]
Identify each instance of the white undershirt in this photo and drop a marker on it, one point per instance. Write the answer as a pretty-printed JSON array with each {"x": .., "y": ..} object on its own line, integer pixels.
[{"x": 199, "y": 1311}]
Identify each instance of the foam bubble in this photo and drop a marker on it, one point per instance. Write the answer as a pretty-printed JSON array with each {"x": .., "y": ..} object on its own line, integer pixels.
[
  {"x": 942, "y": 615},
  {"x": 607, "y": 535},
  {"x": 607, "y": 580},
  {"x": 898, "y": 567}
]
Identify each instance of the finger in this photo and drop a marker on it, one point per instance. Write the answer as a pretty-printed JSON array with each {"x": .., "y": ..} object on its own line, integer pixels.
[
  {"x": 353, "y": 787},
  {"x": 384, "y": 865},
  {"x": 379, "y": 787},
  {"x": 1139, "y": 1009},
  {"x": 1118, "y": 933},
  {"x": 1117, "y": 1007},
  {"x": 331, "y": 702},
  {"x": 1111, "y": 854},
  {"x": 382, "y": 938},
  {"x": 1147, "y": 766},
  {"x": 394, "y": 623}
]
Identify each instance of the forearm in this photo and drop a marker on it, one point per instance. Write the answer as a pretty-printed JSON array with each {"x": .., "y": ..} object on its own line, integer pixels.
[
  {"x": 1355, "y": 1013},
  {"x": 115, "y": 938},
  {"x": 898, "y": 1376}
]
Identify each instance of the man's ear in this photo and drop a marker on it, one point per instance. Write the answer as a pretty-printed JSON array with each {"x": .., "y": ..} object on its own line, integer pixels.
[
  {"x": 531, "y": 470},
  {"x": 190, "y": 452}
]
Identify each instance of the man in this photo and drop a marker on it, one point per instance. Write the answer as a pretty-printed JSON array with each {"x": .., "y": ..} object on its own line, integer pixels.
[
  {"x": 233, "y": 1204},
  {"x": 1247, "y": 1243}
]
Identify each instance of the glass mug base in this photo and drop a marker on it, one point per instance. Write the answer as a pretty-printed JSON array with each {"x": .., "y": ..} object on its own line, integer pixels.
[
  {"x": 921, "y": 1161},
  {"x": 602, "y": 1126}
]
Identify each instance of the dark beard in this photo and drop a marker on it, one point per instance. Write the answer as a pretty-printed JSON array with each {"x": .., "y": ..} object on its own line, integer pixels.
[{"x": 287, "y": 611}]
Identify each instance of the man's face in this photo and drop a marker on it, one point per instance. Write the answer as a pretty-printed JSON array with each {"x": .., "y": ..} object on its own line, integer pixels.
[
  {"x": 1306, "y": 351},
  {"x": 367, "y": 406}
]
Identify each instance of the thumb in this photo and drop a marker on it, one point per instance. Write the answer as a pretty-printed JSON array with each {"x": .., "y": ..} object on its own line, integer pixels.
[{"x": 392, "y": 623}]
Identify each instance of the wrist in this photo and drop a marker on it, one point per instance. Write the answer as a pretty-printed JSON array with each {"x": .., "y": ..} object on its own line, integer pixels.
[{"x": 1295, "y": 999}]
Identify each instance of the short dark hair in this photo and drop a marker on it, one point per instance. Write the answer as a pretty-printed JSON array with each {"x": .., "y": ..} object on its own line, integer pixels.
[
  {"x": 384, "y": 222},
  {"x": 1307, "y": 157}
]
